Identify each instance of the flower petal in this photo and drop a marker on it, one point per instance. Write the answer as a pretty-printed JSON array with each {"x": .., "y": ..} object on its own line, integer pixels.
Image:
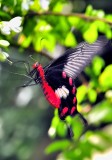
[
  {"x": 4, "y": 43},
  {"x": 15, "y": 22},
  {"x": 5, "y": 29}
]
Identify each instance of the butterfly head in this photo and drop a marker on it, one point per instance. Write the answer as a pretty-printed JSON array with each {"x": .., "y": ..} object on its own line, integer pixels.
[{"x": 35, "y": 65}]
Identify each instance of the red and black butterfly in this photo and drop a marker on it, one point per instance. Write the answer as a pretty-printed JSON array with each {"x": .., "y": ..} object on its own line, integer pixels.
[{"x": 58, "y": 78}]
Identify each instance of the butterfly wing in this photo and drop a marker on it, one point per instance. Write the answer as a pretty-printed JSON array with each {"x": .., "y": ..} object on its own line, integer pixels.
[
  {"x": 60, "y": 74},
  {"x": 73, "y": 61},
  {"x": 65, "y": 89}
]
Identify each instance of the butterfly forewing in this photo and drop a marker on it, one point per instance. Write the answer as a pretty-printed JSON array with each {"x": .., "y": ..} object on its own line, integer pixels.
[
  {"x": 82, "y": 55},
  {"x": 74, "y": 60}
]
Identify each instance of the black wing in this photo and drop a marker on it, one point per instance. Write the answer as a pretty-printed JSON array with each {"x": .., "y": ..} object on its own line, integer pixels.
[
  {"x": 71, "y": 64},
  {"x": 74, "y": 60}
]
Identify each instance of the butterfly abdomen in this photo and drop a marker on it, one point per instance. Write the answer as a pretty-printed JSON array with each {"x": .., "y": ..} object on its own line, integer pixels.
[{"x": 50, "y": 95}]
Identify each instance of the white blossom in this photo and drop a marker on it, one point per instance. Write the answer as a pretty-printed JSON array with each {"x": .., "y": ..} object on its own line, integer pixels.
[
  {"x": 26, "y": 4},
  {"x": 13, "y": 25},
  {"x": 5, "y": 29},
  {"x": 4, "y": 43},
  {"x": 45, "y": 4}
]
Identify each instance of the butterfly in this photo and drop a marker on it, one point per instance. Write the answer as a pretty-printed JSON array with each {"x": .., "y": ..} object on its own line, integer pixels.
[{"x": 57, "y": 79}]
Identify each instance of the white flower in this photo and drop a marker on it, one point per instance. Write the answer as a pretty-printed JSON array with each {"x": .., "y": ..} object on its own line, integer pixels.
[
  {"x": 45, "y": 4},
  {"x": 5, "y": 29},
  {"x": 13, "y": 25},
  {"x": 26, "y": 4},
  {"x": 4, "y": 43}
]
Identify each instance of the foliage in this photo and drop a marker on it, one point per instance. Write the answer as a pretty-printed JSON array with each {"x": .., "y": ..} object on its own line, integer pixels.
[{"x": 40, "y": 27}]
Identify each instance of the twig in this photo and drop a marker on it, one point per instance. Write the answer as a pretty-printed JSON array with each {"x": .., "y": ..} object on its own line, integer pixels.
[{"x": 80, "y": 15}]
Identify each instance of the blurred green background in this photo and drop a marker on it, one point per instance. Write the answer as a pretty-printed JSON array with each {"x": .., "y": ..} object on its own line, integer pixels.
[{"x": 29, "y": 127}]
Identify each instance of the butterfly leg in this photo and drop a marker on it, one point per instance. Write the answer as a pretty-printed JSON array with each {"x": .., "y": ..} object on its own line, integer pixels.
[
  {"x": 69, "y": 129},
  {"x": 83, "y": 119}
]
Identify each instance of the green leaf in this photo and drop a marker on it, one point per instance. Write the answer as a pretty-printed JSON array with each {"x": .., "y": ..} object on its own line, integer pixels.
[
  {"x": 74, "y": 21},
  {"x": 5, "y": 15},
  {"x": 89, "y": 10},
  {"x": 50, "y": 42},
  {"x": 101, "y": 26},
  {"x": 25, "y": 41},
  {"x": 77, "y": 127},
  {"x": 58, "y": 7},
  {"x": 70, "y": 40},
  {"x": 55, "y": 121},
  {"x": 61, "y": 129},
  {"x": 36, "y": 5},
  {"x": 108, "y": 31},
  {"x": 54, "y": 124},
  {"x": 101, "y": 113},
  {"x": 91, "y": 34},
  {"x": 46, "y": 41},
  {"x": 81, "y": 93},
  {"x": 42, "y": 26},
  {"x": 105, "y": 79},
  {"x": 29, "y": 27},
  {"x": 109, "y": 17},
  {"x": 92, "y": 95},
  {"x": 100, "y": 13},
  {"x": 97, "y": 65},
  {"x": 3, "y": 56},
  {"x": 57, "y": 146}
]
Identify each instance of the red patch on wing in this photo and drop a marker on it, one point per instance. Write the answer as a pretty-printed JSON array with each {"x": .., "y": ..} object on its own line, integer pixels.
[
  {"x": 63, "y": 74},
  {"x": 74, "y": 100},
  {"x": 73, "y": 90},
  {"x": 73, "y": 110},
  {"x": 70, "y": 81},
  {"x": 64, "y": 111}
]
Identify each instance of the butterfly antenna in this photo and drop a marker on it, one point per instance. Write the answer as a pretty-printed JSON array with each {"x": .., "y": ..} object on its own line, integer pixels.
[
  {"x": 9, "y": 61},
  {"x": 69, "y": 130},
  {"x": 32, "y": 58},
  {"x": 26, "y": 64},
  {"x": 27, "y": 67},
  {"x": 41, "y": 47}
]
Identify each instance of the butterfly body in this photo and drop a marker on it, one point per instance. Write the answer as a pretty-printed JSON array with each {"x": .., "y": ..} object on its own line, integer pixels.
[{"x": 49, "y": 93}]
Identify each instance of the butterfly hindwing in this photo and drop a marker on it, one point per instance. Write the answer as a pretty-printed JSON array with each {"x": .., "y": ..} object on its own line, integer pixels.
[{"x": 65, "y": 89}]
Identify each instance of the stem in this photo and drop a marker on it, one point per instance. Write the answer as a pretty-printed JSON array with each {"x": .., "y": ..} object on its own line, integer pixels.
[{"x": 79, "y": 15}]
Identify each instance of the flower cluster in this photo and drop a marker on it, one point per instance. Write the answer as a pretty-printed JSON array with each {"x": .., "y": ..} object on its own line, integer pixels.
[
  {"x": 6, "y": 27},
  {"x": 13, "y": 25}
]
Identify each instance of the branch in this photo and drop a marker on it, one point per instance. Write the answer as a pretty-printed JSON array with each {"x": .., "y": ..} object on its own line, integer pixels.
[{"x": 79, "y": 15}]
